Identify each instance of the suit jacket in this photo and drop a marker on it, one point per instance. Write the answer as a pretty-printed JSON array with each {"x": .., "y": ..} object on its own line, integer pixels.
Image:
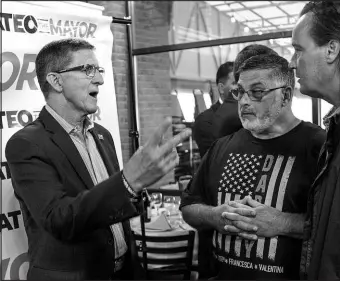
[
  {"x": 202, "y": 129},
  {"x": 66, "y": 218},
  {"x": 320, "y": 257},
  {"x": 226, "y": 120}
]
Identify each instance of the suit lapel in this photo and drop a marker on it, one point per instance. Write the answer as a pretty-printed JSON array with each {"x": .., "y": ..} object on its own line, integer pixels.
[
  {"x": 110, "y": 160},
  {"x": 65, "y": 143},
  {"x": 67, "y": 146},
  {"x": 109, "y": 157}
]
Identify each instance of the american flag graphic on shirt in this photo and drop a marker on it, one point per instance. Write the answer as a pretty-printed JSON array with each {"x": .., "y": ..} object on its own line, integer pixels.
[{"x": 264, "y": 178}]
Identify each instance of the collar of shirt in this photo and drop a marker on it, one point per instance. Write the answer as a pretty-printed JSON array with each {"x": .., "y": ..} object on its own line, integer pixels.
[
  {"x": 88, "y": 124},
  {"x": 334, "y": 112}
]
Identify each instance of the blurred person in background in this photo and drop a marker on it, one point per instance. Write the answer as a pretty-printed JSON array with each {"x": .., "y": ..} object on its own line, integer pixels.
[
  {"x": 202, "y": 129},
  {"x": 316, "y": 40},
  {"x": 270, "y": 165},
  {"x": 75, "y": 199}
]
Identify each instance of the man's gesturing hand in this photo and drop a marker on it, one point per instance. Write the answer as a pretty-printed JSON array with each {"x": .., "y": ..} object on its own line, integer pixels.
[{"x": 155, "y": 159}]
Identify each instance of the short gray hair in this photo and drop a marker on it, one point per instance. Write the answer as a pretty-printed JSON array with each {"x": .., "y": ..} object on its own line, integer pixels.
[
  {"x": 55, "y": 56},
  {"x": 248, "y": 52},
  {"x": 281, "y": 71}
]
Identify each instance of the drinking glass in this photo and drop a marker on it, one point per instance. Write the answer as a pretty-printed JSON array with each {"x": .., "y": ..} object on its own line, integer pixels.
[
  {"x": 169, "y": 202},
  {"x": 183, "y": 182},
  {"x": 177, "y": 202},
  {"x": 156, "y": 200},
  {"x": 179, "y": 217}
]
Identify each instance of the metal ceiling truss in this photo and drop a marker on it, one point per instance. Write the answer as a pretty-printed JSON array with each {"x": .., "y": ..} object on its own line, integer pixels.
[
  {"x": 207, "y": 31},
  {"x": 192, "y": 13},
  {"x": 268, "y": 18},
  {"x": 274, "y": 43},
  {"x": 196, "y": 11},
  {"x": 270, "y": 25},
  {"x": 247, "y": 8}
]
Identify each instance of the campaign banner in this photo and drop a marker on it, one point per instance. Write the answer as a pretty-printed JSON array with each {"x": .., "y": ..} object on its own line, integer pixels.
[{"x": 26, "y": 26}]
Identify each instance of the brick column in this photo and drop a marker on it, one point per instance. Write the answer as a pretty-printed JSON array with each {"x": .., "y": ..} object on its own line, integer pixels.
[
  {"x": 120, "y": 67},
  {"x": 151, "y": 22}
]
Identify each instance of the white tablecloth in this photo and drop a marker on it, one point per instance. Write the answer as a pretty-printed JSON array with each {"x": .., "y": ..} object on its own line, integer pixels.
[{"x": 180, "y": 229}]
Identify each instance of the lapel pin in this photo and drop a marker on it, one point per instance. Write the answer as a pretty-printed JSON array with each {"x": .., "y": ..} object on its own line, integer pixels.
[{"x": 100, "y": 137}]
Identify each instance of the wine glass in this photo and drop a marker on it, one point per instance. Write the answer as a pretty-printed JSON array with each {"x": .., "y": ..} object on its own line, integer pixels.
[
  {"x": 156, "y": 200},
  {"x": 169, "y": 202},
  {"x": 177, "y": 203}
]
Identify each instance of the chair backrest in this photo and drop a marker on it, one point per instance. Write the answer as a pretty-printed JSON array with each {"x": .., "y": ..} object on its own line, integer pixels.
[{"x": 169, "y": 254}]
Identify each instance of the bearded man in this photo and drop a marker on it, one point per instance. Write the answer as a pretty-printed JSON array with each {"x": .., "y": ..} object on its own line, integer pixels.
[{"x": 270, "y": 165}]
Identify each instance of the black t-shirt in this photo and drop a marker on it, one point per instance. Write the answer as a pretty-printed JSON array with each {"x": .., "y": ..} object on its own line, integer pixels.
[{"x": 276, "y": 172}]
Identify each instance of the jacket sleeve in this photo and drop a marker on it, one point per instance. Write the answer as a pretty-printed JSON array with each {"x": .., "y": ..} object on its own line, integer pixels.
[
  {"x": 65, "y": 214},
  {"x": 202, "y": 134}
]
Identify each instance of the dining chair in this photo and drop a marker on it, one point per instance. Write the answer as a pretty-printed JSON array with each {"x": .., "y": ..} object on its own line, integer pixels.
[{"x": 165, "y": 255}]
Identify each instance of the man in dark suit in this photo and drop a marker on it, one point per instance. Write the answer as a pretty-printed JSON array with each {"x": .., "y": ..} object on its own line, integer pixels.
[
  {"x": 74, "y": 198},
  {"x": 202, "y": 129}
]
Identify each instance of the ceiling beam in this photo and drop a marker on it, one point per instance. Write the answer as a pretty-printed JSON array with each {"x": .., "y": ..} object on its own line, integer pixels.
[
  {"x": 240, "y": 9},
  {"x": 273, "y": 18},
  {"x": 211, "y": 43},
  {"x": 277, "y": 6},
  {"x": 271, "y": 24},
  {"x": 263, "y": 20},
  {"x": 248, "y": 8}
]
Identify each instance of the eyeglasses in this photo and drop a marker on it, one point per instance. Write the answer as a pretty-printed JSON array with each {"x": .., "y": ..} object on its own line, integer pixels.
[
  {"x": 254, "y": 95},
  {"x": 89, "y": 69}
]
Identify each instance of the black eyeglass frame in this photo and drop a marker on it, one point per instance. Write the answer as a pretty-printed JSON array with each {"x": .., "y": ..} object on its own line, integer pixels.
[
  {"x": 84, "y": 68},
  {"x": 264, "y": 92}
]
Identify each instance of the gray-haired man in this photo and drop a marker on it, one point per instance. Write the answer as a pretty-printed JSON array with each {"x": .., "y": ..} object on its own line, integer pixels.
[{"x": 272, "y": 160}]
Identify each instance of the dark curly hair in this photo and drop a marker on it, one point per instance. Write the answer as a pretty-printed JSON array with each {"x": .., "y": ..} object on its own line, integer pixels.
[
  {"x": 223, "y": 72},
  {"x": 325, "y": 24}
]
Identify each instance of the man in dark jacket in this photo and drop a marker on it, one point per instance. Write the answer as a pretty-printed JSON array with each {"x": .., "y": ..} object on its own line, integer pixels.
[
  {"x": 316, "y": 40},
  {"x": 202, "y": 129},
  {"x": 74, "y": 198}
]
